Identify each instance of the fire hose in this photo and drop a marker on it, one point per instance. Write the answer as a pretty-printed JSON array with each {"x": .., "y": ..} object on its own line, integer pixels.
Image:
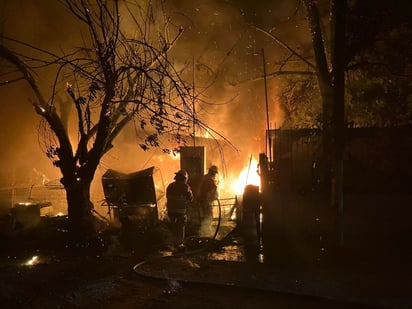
[
  {"x": 215, "y": 244},
  {"x": 160, "y": 273},
  {"x": 163, "y": 275},
  {"x": 219, "y": 218},
  {"x": 179, "y": 273}
]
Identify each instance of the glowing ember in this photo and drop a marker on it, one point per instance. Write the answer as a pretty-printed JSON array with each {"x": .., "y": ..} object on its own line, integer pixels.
[
  {"x": 248, "y": 176},
  {"x": 24, "y": 204},
  {"x": 33, "y": 261}
]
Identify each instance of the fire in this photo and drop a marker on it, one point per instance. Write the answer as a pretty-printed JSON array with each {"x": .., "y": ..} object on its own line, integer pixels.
[
  {"x": 171, "y": 155},
  {"x": 33, "y": 261},
  {"x": 205, "y": 135},
  {"x": 248, "y": 176}
]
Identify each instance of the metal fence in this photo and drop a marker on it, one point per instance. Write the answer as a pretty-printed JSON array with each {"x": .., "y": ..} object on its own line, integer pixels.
[{"x": 375, "y": 159}]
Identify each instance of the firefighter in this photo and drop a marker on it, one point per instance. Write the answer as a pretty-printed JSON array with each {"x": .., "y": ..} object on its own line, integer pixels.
[
  {"x": 207, "y": 194},
  {"x": 179, "y": 195}
]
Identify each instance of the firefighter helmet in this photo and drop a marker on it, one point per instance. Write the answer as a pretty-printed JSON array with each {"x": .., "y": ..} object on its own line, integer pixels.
[
  {"x": 182, "y": 173},
  {"x": 213, "y": 169}
]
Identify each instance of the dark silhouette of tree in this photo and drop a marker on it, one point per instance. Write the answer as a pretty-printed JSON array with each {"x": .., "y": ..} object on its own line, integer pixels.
[
  {"x": 122, "y": 73},
  {"x": 346, "y": 37},
  {"x": 326, "y": 60},
  {"x": 376, "y": 62}
]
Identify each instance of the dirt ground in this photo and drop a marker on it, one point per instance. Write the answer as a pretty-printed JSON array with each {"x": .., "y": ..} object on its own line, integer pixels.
[
  {"x": 74, "y": 282},
  {"x": 42, "y": 269}
]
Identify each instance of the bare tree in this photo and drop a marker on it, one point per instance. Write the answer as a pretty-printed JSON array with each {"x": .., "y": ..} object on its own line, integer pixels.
[
  {"x": 328, "y": 63},
  {"x": 122, "y": 73}
]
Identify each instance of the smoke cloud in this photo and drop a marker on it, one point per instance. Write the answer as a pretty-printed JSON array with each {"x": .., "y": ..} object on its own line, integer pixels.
[{"x": 220, "y": 52}]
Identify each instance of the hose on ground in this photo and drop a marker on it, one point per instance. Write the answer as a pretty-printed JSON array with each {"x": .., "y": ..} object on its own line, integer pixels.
[
  {"x": 219, "y": 218},
  {"x": 209, "y": 246}
]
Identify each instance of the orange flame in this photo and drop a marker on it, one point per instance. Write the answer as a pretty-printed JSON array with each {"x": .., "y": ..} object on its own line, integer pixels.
[
  {"x": 33, "y": 261},
  {"x": 248, "y": 176}
]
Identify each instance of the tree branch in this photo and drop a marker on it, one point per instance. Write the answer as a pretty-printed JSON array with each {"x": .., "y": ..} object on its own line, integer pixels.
[
  {"x": 275, "y": 74},
  {"x": 284, "y": 45}
]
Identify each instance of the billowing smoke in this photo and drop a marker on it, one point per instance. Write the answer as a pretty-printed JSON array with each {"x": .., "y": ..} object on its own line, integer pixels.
[
  {"x": 219, "y": 51},
  {"x": 227, "y": 55}
]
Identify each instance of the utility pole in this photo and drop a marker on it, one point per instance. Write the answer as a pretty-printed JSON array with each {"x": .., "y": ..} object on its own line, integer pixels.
[
  {"x": 193, "y": 102},
  {"x": 268, "y": 140},
  {"x": 338, "y": 127}
]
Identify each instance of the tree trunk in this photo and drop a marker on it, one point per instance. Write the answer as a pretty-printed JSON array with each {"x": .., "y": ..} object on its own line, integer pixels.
[
  {"x": 325, "y": 87},
  {"x": 332, "y": 88},
  {"x": 338, "y": 84},
  {"x": 79, "y": 210}
]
